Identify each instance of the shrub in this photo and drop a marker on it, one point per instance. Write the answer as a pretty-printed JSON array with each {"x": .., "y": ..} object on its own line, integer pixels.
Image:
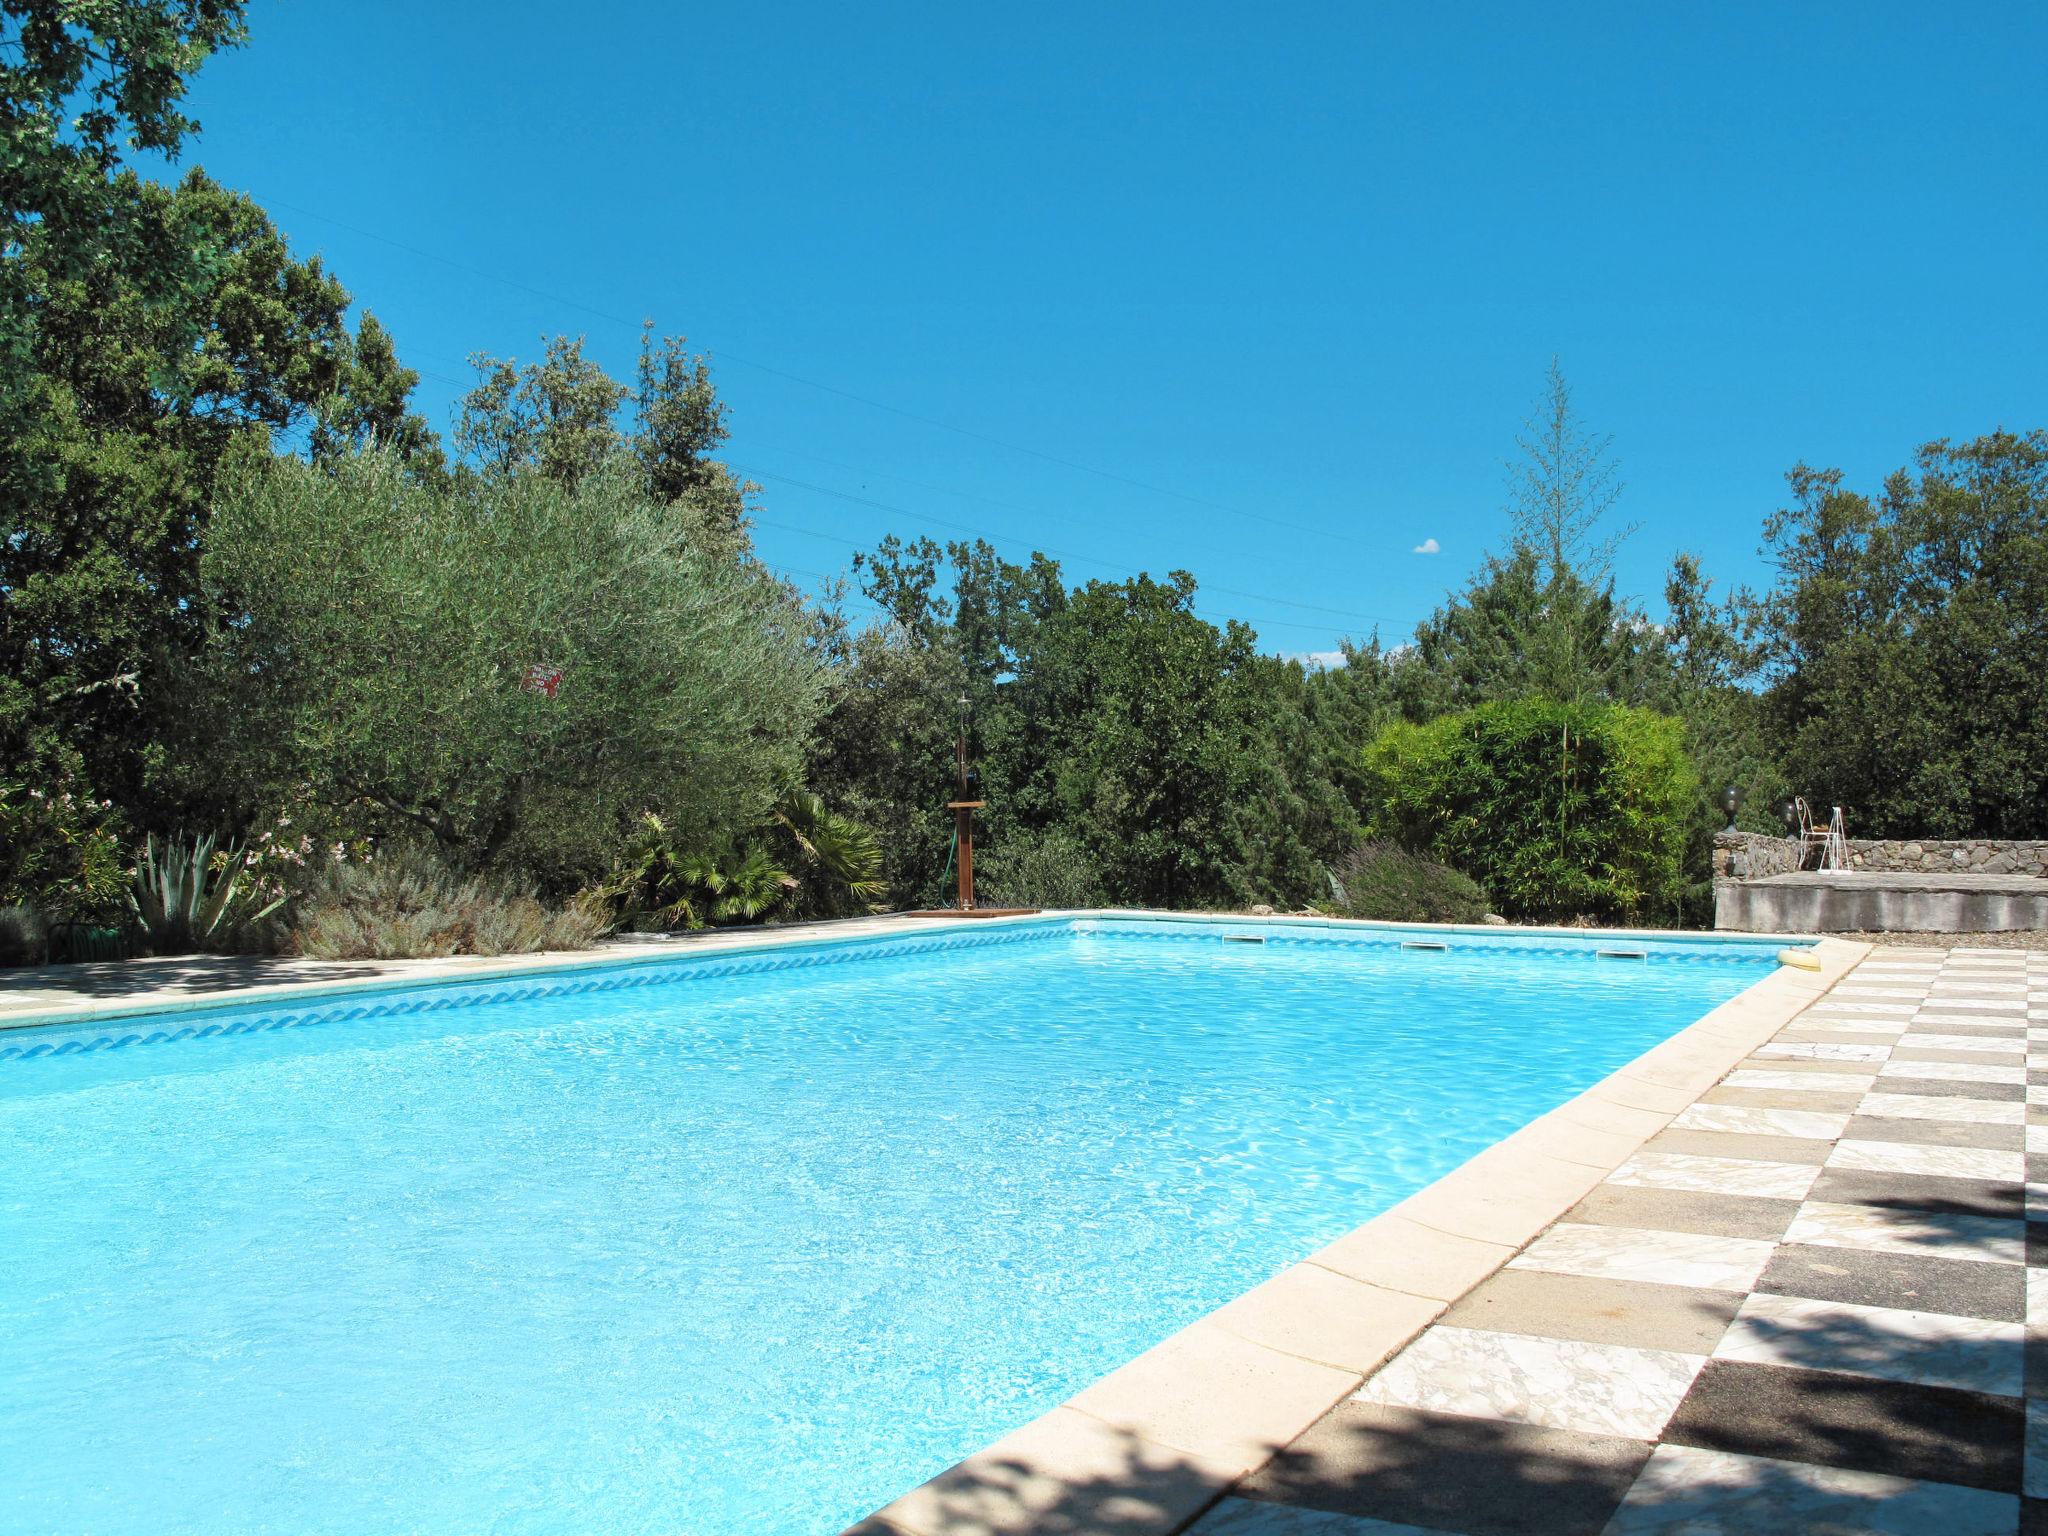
[
  {"x": 60, "y": 852},
  {"x": 405, "y": 904},
  {"x": 1045, "y": 869},
  {"x": 1557, "y": 810},
  {"x": 1391, "y": 885}
]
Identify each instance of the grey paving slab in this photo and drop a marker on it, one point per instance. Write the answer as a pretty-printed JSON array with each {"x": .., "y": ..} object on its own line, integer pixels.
[
  {"x": 1937, "y": 1133},
  {"x": 1859, "y": 1423},
  {"x": 1912, "y": 1282},
  {"x": 1936, "y": 1088},
  {"x": 1905, "y": 1051},
  {"x": 1633, "y": 1313},
  {"x": 1918, "y": 1192},
  {"x": 1483, "y": 1477},
  {"x": 1766, "y": 1149},
  {"x": 1781, "y": 1098},
  {"x": 1683, "y": 1210}
]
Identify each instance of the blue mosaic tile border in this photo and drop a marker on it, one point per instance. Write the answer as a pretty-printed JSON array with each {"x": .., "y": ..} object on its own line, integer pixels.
[
  {"x": 1704, "y": 951},
  {"x": 77, "y": 1039}
]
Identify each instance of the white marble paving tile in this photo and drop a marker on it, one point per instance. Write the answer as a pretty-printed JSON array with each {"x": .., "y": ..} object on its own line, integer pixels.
[
  {"x": 1975, "y": 1045},
  {"x": 1596, "y": 1389},
  {"x": 1813, "y": 1124},
  {"x": 1811, "y": 1050},
  {"x": 1803, "y": 1082},
  {"x": 1800, "y": 1082},
  {"x": 1860, "y": 1029},
  {"x": 1955, "y": 1071},
  {"x": 1929, "y": 1349},
  {"x": 1882, "y": 991},
  {"x": 1635, "y": 1253},
  {"x": 1941, "y": 1162},
  {"x": 1687, "y": 1492},
  {"x": 2037, "y": 1138},
  {"x": 1917, "y": 1106},
  {"x": 1716, "y": 1175},
  {"x": 1940, "y": 1234},
  {"x": 2037, "y": 1302}
]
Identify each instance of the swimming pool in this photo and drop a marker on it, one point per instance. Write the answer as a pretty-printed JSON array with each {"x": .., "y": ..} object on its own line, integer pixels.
[{"x": 723, "y": 1244}]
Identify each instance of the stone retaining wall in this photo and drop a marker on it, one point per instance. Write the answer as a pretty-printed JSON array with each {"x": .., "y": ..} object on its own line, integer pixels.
[{"x": 1753, "y": 855}]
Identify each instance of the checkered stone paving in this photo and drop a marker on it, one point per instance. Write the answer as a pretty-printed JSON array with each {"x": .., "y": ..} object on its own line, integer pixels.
[{"x": 1814, "y": 1303}]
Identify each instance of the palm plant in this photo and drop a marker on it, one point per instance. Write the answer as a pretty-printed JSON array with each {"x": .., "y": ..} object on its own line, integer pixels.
[
  {"x": 840, "y": 860},
  {"x": 183, "y": 896}
]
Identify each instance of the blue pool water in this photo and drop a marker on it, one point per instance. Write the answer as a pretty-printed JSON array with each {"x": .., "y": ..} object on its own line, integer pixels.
[{"x": 719, "y": 1248}]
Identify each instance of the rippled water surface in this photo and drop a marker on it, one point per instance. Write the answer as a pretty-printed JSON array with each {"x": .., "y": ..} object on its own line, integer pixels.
[{"x": 742, "y": 1253}]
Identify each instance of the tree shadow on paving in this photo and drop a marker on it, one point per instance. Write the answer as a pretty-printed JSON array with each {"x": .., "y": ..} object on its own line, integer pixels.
[
  {"x": 191, "y": 975},
  {"x": 1476, "y": 1477}
]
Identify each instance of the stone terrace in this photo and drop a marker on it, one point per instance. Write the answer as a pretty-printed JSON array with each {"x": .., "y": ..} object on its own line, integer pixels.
[{"x": 1807, "y": 1306}]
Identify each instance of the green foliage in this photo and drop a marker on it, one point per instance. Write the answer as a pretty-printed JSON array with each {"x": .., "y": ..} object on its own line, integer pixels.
[
  {"x": 390, "y": 624},
  {"x": 78, "y": 85},
  {"x": 1557, "y": 810},
  {"x": 560, "y": 419},
  {"x": 807, "y": 861},
  {"x": 659, "y": 886},
  {"x": 24, "y": 936},
  {"x": 192, "y": 896},
  {"x": 1904, "y": 641},
  {"x": 1391, "y": 885},
  {"x": 1050, "y": 869},
  {"x": 60, "y": 853},
  {"x": 405, "y": 904},
  {"x": 837, "y": 861},
  {"x": 111, "y": 450}
]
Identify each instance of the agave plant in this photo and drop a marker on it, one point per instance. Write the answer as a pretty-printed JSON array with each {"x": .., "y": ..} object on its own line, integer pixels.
[{"x": 184, "y": 894}]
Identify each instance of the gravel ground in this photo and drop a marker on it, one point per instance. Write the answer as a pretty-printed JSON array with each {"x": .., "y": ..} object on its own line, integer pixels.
[{"x": 2032, "y": 939}]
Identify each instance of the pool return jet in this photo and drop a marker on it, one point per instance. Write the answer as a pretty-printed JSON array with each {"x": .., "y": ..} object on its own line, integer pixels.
[{"x": 965, "y": 802}]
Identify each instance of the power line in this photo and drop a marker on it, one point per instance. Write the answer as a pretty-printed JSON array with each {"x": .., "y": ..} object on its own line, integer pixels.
[
  {"x": 830, "y": 389},
  {"x": 958, "y": 527},
  {"x": 1112, "y": 565},
  {"x": 1212, "y": 616}
]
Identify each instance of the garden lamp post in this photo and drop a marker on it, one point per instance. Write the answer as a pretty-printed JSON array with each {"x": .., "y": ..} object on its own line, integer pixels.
[
  {"x": 1731, "y": 801},
  {"x": 966, "y": 781},
  {"x": 1788, "y": 813}
]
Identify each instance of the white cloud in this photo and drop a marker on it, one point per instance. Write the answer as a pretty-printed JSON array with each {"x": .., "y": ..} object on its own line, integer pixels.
[
  {"x": 1315, "y": 661},
  {"x": 1429, "y": 547}
]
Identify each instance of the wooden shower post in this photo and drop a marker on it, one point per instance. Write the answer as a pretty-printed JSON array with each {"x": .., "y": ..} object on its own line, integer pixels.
[
  {"x": 963, "y": 822},
  {"x": 963, "y": 810}
]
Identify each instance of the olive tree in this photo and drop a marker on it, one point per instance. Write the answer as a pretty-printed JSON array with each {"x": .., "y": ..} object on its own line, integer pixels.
[{"x": 514, "y": 666}]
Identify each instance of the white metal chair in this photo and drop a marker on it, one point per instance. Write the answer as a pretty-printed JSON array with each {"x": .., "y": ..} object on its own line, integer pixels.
[{"x": 1832, "y": 841}]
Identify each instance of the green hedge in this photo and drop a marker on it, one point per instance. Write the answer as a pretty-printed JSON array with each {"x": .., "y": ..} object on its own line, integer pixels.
[{"x": 1558, "y": 810}]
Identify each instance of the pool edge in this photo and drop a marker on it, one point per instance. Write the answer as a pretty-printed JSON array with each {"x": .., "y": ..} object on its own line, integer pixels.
[
  {"x": 406, "y": 975},
  {"x": 1154, "y": 1443}
]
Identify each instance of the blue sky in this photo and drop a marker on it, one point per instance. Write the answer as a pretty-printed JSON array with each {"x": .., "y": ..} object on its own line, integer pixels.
[{"x": 1261, "y": 292}]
